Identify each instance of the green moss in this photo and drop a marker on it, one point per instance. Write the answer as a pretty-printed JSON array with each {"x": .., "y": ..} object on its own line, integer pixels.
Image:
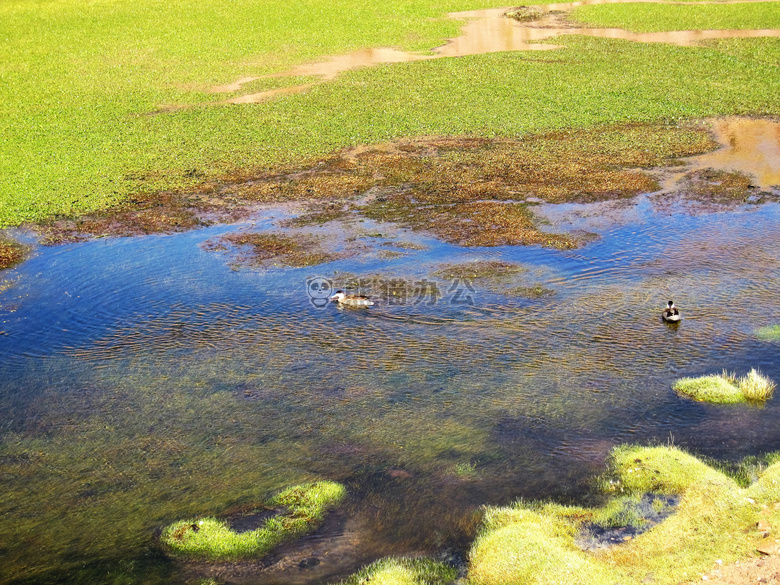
[
  {"x": 404, "y": 571},
  {"x": 714, "y": 519},
  {"x": 304, "y": 509},
  {"x": 715, "y": 388},
  {"x": 533, "y": 547},
  {"x": 769, "y": 333},
  {"x": 726, "y": 388}
]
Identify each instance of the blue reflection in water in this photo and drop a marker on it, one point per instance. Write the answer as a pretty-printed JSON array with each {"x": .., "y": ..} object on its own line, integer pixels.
[{"x": 531, "y": 391}]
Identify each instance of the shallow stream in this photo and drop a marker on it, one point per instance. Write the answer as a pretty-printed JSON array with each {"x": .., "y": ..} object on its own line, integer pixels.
[{"x": 145, "y": 380}]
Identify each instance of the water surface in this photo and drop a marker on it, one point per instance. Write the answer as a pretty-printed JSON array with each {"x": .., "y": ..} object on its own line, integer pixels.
[{"x": 144, "y": 380}]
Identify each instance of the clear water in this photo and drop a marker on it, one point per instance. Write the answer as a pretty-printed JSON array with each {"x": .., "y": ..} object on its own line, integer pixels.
[{"x": 145, "y": 380}]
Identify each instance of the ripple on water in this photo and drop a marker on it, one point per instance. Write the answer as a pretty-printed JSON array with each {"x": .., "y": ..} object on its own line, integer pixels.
[{"x": 164, "y": 376}]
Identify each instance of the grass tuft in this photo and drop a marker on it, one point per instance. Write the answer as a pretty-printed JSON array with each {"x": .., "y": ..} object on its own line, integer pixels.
[
  {"x": 304, "y": 507},
  {"x": 714, "y": 519},
  {"x": 769, "y": 333},
  {"x": 404, "y": 571},
  {"x": 727, "y": 388},
  {"x": 755, "y": 386}
]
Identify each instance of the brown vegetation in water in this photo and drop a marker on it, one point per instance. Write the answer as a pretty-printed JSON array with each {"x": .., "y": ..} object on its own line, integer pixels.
[
  {"x": 480, "y": 270},
  {"x": 11, "y": 253},
  {"x": 525, "y": 13},
  {"x": 266, "y": 249},
  {"x": 718, "y": 186},
  {"x": 467, "y": 191}
]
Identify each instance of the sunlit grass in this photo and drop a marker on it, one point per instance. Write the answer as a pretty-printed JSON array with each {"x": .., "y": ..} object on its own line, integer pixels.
[
  {"x": 403, "y": 571},
  {"x": 715, "y": 519},
  {"x": 769, "y": 333},
  {"x": 727, "y": 388},
  {"x": 641, "y": 17},
  {"x": 756, "y": 386},
  {"x": 81, "y": 123},
  {"x": 304, "y": 509}
]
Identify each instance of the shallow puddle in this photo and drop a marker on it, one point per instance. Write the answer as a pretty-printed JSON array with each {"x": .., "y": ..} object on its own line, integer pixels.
[
  {"x": 485, "y": 31},
  {"x": 149, "y": 379},
  {"x": 751, "y": 147}
]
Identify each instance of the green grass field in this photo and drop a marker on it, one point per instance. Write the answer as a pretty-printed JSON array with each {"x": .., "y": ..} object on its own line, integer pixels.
[
  {"x": 660, "y": 17},
  {"x": 81, "y": 85}
]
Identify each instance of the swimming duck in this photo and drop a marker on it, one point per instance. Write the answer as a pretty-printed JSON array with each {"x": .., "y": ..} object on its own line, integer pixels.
[
  {"x": 671, "y": 313},
  {"x": 351, "y": 300}
]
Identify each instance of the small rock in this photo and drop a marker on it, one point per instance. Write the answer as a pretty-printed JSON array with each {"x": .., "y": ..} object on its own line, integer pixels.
[
  {"x": 768, "y": 547},
  {"x": 309, "y": 562},
  {"x": 763, "y": 526}
]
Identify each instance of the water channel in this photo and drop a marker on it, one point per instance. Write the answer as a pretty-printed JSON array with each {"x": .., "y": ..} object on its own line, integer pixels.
[{"x": 149, "y": 379}]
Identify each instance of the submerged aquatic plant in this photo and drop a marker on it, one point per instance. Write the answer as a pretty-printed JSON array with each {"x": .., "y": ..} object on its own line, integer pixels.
[
  {"x": 11, "y": 253},
  {"x": 303, "y": 509},
  {"x": 727, "y": 388},
  {"x": 769, "y": 333},
  {"x": 714, "y": 519},
  {"x": 265, "y": 249},
  {"x": 404, "y": 571}
]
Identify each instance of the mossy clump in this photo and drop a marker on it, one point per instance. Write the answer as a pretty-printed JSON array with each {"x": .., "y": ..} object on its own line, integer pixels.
[
  {"x": 262, "y": 249},
  {"x": 301, "y": 509},
  {"x": 404, "y": 571},
  {"x": 11, "y": 253},
  {"x": 714, "y": 519},
  {"x": 525, "y": 13},
  {"x": 727, "y": 388},
  {"x": 769, "y": 333}
]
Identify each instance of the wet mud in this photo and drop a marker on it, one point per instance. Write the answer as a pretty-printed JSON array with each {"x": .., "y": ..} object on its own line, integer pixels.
[
  {"x": 467, "y": 191},
  {"x": 464, "y": 191},
  {"x": 474, "y": 192},
  {"x": 526, "y": 28}
]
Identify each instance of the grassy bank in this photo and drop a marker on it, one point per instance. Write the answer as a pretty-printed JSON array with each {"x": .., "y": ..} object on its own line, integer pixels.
[
  {"x": 659, "y": 17},
  {"x": 85, "y": 90},
  {"x": 715, "y": 520}
]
